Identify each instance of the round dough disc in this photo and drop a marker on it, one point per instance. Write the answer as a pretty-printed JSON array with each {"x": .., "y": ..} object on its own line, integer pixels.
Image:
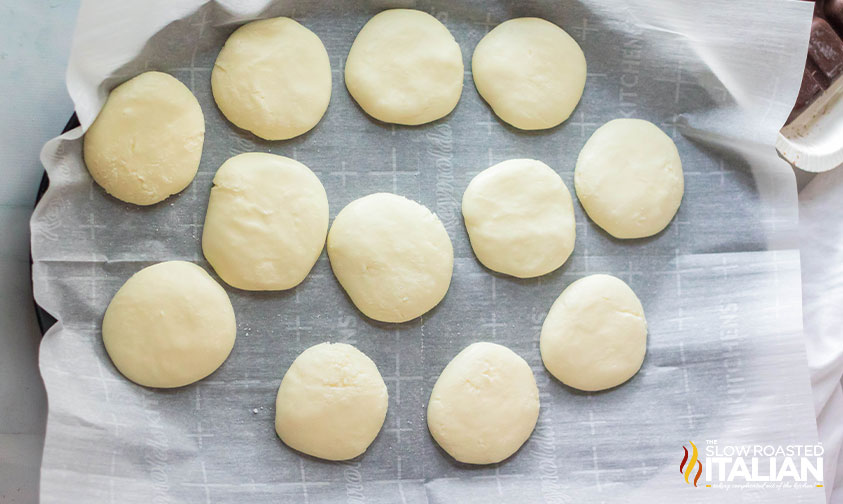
[
  {"x": 331, "y": 403},
  {"x": 266, "y": 223},
  {"x": 169, "y": 325},
  {"x": 392, "y": 256},
  {"x": 484, "y": 405},
  {"x": 273, "y": 78},
  {"x": 530, "y": 71},
  {"x": 146, "y": 142},
  {"x": 405, "y": 67},
  {"x": 629, "y": 178},
  {"x": 520, "y": 218},
  {"x": 595, "y": 334}
]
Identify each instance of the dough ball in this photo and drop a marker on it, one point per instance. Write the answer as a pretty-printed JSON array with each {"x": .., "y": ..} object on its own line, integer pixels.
[
  {"x": 530, "y": 71},
  {"x": 520, "y": 218},
  {"x": 405, "y": 67},
  {"x": 484, "y": 405},
  {"x": 273, "y": 78},
  {"x": 146, "y": 142},
  {"x": 629, "y": 178},
  {"x": 595, "y": 334},
  {"x": 266, "y": 222},
  {"x": 331, "y": 403},
  {"x": 392, "y": 256},
  {"x": 169, "y": 325}
]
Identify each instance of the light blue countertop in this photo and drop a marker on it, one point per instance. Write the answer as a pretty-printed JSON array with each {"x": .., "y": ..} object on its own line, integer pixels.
[{"x": 34, "y": 45}]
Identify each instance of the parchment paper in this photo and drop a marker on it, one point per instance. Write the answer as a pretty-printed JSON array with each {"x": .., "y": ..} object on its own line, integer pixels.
[{"x": 720, "y": 286}]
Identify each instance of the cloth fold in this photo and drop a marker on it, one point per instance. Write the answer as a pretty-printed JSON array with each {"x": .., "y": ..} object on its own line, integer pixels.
[{"x": 821, "y": 248}]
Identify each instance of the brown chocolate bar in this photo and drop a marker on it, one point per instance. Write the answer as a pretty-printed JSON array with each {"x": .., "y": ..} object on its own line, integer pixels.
[
  {"x": 826, "y": 49},
  {"x": 810, "y": 90},
  {"x": 825, "y": 54},
  {"x": 834, "y": 13}
]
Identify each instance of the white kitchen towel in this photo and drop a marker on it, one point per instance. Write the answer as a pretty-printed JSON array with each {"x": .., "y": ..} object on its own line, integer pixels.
[{"x": 821, "y": 228}]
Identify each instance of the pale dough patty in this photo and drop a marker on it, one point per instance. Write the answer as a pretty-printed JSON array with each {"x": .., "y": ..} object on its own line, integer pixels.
[
  {"x": 530, "y": 71},
  {"x": 405, "y": 67},
  {"x": 629, "y": 178},
  {"x": 266, "y": 222},
  {"x": 595, "y": 334},
  {"x": 520, "y": 218},
  {"x": 331, "y": 403},
  {"x": 484, "y": 405},
  {"x": 273, "y": 78},
  {"x": 146, "y": 142},
  {"x": 391, "y": 255},
  {"x": 169, "y": 325}
]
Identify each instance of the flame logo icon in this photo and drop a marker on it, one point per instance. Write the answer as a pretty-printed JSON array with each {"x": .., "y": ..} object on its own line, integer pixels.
[{"x": 689, "y": 468}]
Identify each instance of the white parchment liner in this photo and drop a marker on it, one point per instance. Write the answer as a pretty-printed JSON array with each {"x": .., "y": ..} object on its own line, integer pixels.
[{"x": 720, "y": 287}]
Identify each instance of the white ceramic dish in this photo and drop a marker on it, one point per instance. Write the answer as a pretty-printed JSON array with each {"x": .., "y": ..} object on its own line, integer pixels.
[{"x": 813, "y": 142}]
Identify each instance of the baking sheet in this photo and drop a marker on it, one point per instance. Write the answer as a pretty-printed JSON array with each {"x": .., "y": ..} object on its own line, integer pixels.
[{"x": 720, "y": 287}]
